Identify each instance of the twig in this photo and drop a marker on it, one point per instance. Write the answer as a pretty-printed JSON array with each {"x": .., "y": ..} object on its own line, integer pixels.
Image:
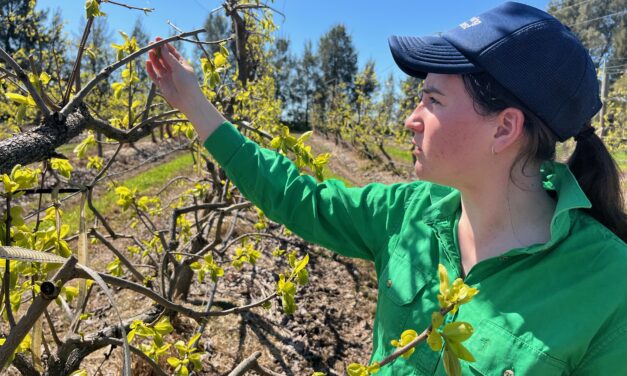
[
  {"x": 77, "y": 62},
  {"x": 258, "y": 6},
  {"x": 196, "y": 39},
  {"x": 246, "y": 125},
  {"x": 151, "y": 97},
  {"x": 21, "y": 75},
  {"x": 172, "y": 181},
  {"x": 107, "y": 166},
  {"x": 53, "y": 331},
  {"x": 251, "y": 364},
  {"x": 93, "y": 209},
  {"x": 421, "y": 337},
  {"x": 44, "y": 96},
  {"x": 246, "y": 365},
  {"x": 106, "y": 357},
  {"x": 138, "y": 276},
  {"x": 207, "y": 43},
  {"x": 128, "y": 6}
]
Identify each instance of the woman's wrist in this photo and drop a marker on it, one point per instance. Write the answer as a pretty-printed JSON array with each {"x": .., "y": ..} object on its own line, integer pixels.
[{"x": 204, "y": 116}]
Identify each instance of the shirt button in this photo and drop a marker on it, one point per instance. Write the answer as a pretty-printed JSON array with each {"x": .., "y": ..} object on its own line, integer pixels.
[
  {"x": 389, "y": 283},
  {"x": 508, "y": 372},
  {"x": 503, "y": 258}
]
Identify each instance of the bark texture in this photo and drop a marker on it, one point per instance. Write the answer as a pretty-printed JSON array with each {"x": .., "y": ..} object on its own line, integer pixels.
[{"x": 40, "y": 142}]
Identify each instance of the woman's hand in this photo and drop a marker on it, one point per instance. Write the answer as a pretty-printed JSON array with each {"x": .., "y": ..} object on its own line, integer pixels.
[
  {"x": 174, "y": 76},
  {"x": 179, "y": 86}
]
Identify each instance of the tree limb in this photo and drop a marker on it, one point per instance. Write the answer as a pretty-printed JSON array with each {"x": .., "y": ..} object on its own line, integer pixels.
[
  {"x": 40, "y": 142},
  {"x": 132, "y": 135}
]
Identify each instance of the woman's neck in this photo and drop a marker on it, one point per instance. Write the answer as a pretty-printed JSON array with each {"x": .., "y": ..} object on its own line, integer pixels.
[{"x": 500, "y": 215}]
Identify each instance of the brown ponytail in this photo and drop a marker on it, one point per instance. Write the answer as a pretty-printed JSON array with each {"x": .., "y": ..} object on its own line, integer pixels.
[
  {"x": 591, "y": 163},
  {"x": 598, "y": 175}
]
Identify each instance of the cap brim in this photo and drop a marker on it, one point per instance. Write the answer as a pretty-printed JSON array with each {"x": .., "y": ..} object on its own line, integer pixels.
[{"x": 418, "y": 56}]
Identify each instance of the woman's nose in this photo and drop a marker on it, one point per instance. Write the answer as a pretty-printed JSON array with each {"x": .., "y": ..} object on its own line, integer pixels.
[{"x": 414, "y": 122}]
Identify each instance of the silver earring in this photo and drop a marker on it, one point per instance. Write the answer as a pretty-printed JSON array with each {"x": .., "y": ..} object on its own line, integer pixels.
[{"x": 493, "y": 153}]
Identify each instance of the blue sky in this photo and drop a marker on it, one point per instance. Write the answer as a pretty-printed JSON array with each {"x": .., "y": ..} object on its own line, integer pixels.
[{"x": 369, "y": 22}]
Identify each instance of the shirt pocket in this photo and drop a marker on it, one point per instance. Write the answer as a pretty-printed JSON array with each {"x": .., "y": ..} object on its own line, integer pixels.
[
  {"x": 404, "y": 304},
  {"x": 499, "y": 352}
]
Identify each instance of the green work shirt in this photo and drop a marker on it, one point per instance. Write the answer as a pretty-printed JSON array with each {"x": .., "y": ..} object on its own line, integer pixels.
[{"x": 558, "y": 308}]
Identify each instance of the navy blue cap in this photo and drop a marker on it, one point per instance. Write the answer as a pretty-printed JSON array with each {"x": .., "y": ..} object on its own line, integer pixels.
[{"x": 526, "y": 50}]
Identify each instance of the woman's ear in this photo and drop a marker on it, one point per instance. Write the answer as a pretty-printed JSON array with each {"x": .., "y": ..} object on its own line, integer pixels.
[{"x": 509, "y": 129}]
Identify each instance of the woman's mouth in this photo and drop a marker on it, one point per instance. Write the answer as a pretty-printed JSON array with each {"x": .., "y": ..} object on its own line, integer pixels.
[{"x": 417, "y": 149}]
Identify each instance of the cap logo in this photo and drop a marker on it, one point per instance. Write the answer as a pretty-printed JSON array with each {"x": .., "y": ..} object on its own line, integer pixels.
[{"x": 470, "y": 23}]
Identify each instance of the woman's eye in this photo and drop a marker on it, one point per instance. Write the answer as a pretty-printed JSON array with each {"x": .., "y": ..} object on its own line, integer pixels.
[{"x": 422, "y": 98}]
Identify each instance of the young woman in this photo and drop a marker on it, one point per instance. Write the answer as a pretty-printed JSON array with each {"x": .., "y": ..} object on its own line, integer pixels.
[{"x": 544, "y": 242}]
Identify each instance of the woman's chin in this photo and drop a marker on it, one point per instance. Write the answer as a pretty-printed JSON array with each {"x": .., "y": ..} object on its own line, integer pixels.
[{"x": 419, "y": 171}]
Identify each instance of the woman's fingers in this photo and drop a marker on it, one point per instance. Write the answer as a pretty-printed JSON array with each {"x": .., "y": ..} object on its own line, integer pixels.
[
  {"x": 169, "y": 59},
  {"x": 151, "y": 71},
  {"x": 174, "y": 52},
  {"x": 157, "y": 63}
]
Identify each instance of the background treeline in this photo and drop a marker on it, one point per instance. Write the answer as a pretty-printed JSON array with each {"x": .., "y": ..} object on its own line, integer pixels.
[{"x": 322, "y": 87}]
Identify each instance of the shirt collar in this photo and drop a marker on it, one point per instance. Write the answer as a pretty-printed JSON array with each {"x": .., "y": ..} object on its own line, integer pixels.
[{"x": 558, "y": 177}]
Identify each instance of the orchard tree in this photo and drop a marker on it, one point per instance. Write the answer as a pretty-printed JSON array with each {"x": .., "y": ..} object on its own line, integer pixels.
[
  {"x": 338, "y": 65},
  {"x": 303, "y": 87},
  {"x": 216, "y": 28},
  {"x": 600, "y": 25},
  {"x": 366, "y": 85},
  {"x": 21, "y": 27},
  {"x": 42, "y": 255},
  {"x": 283, "y": 63}
]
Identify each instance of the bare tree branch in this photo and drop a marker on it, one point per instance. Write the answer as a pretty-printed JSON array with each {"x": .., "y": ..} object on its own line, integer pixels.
[
  {"x": 40, "y": 142},
  {"x": 24, "y": 78},
  {"x": 251, "y": 364},
  {"x": 106, "y": 72},
  {"x": 167, "y": 304},
  {"x": 77, "y": 63},
  {"x": 138, "y": 276},
  {"x": 128, "y": 6},
  {"x": 132, "y": 135}
]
